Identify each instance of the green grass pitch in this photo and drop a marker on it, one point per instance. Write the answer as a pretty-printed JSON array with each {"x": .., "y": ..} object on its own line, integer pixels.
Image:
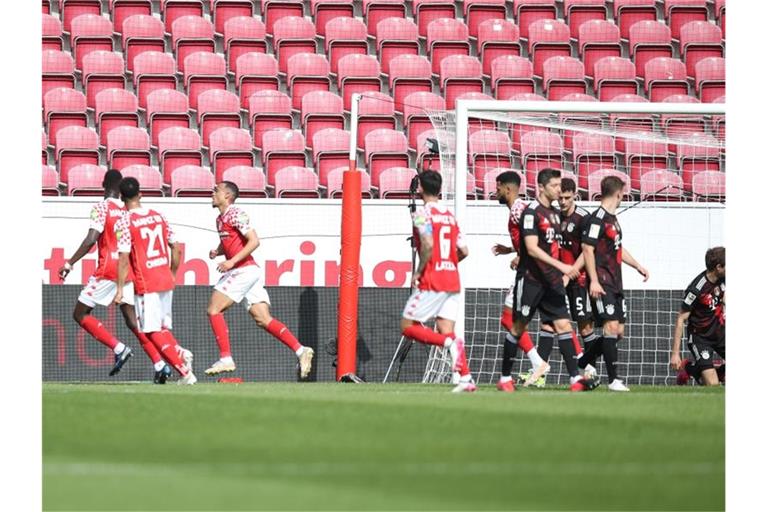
[{"x": 330, "y": 446}]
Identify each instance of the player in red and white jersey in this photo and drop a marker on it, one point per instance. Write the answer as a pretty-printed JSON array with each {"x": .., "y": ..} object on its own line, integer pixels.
[
  {"x": 435, "y": 283},
  {"x": 102, "y": 285},
  {"x": 507, "y": 193},
  {"x": 147, "y": 245},
  {"x": 242, "y": 279}
]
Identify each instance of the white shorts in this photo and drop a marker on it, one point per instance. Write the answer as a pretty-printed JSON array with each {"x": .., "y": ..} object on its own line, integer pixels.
[
  {"x": 154, "y": 311},
  {"x": 102, "y": 292},
  {"x": 243, "y": 283},
  {"x": 424, "y": 305}
]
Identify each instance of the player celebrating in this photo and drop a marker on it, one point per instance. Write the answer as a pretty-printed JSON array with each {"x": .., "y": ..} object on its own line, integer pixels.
[
  {"x": 507, "y": 192},
  {"x": 603, "y": 255},
  {"x": 242, "y": 279},
  {"x": 143, "y": 241},
  {"x": 703, "y": 308},
  {"x": 102, "y": 285},
  {"x": 436, "y": 282},
  {"x": 539, "y": 282}
]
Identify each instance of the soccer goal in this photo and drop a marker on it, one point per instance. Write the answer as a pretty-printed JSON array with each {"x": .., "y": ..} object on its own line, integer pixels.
[{"x": 671, "y": 157}]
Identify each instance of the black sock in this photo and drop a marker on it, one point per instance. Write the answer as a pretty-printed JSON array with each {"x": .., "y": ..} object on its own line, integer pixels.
[
  {"x": 611, "y": 355},
  {"x": 546, "y": 342},
  {"x": 510, "y": 351},
  {"x": 593, "y": 348},
  {"x": 567, "y": 350}
]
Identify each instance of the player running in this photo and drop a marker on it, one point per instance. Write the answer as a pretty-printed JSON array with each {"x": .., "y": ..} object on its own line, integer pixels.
[
  {"x": 603, "y": 255},
  {"x": 539, "y": 281},
  {"x": 241, "y": 279},
  {"x": 507, "y": 193},
  {"x": 102, "y": 285},
  {"x": 144, "y": 241},
  {"x": 435, "y": 282},
  {"x": 703, "y": 308}
]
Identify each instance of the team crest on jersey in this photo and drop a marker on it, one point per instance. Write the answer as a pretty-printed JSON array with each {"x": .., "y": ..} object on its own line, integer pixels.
[
  {"x": 570, "y": 227},
  {"x": 610, "y": 309},
  {"x": 242, "y": 217},
  {"x": 705, "y": 354},
  {"x": 525, "y": 310},
  {"x": 94, "y": 214}
]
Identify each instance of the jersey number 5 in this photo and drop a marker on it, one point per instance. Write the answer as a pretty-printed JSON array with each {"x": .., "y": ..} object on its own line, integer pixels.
[{"x": 155, "y": 247}]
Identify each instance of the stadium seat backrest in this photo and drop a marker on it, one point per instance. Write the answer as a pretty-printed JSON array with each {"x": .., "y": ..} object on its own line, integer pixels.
[
  {"x": 395, "y": 180},
  {"x": 76, "y": 137},
  {"x": 396, "y": 29},
  {"x": 680, "y": 98},
  {"x": 579, "y": 96},
  {"x": 247, "y": 178},
  {"x": 321, "y": 102},
  {"x": 149, "y": 178},
  {"x": 409, "y": 66},
  {"x": 153, "y": 63},
  {"x": 614, "y": 68},
  {"x": 596, "y": 177},
  {"x": 644, "y": 144},
  {"x": 167, "y": 100},
  {"x": 51, "y": 26},
  {"x": 244, "y": 27},
  {"x": 563, "y": 68},
  {"x": 127, "y": 137},
  {"x": 698, "y": 145},
  {"x": 384, "y": 140},
  {"x": 592, "y": 144},
  {"x": 442, "y": 136},
  {"x": 116, "y": 100},
  {"x": 229, "y": 139},
  {"x": 709, "y": 184},
  {"x": 50, "y": 180},
  {"x": 629, "y": 98},
  {"x": 142, "y": 26},
  {"x": 191, "y": 27},
  {"x": 204, "y": 63},
  {"x": 297, "y": 180},
  {"x": 511, "y": 66},
  {"x": 497, "y": 30},
  {"x": 86, "y": 179},
  {"x": 62, "y": 99},
  {"x": 489, "y": 142},
  {"x": 541, "y": 143},
  {"x": 700, "y": 32},
  {"x": 255, "y": 64},
  {"x": 177, "y": 138},
  {"x": 376, "y": 103},
  {"x": 283, "y": 140},
  {"x": 307, "y": 64},
  {"x": 548, "y": 31},
  {"x": 269, "y": 102},
  {"x": 91, "y": 25},
  {"x": 446, "y": 29},
  {"x": 330, "y": 139},
  {"x": 191, "y": 178},
  {"x": 356, "y": 65},
  {"x": 598, "y": 31},
  {"x": 472, "y": 95},
  {"x": 102, "y": 63},
  {"x": 648, "y": 32},
  {"x": 664, "y": 68},
  {"x": 460, "y": 66},
  {"x": 293, "y": 27},
  {"x": 660, "y": 182},
  {"x": 56, "y": 61},
  {"x": 711, "y": 68},
  {"x": 345, "y": 29},
  {"x": 418, "y": 103},
  {"x": 217, "y": 100}
]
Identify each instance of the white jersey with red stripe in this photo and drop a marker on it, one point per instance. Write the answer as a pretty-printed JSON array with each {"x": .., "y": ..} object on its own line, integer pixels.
[
  {"x": 104, "y": 216},
  {"x": 442, "y": 271},
  {"x": 232, "y": 226},
  {"x": 146, "y": 235}
]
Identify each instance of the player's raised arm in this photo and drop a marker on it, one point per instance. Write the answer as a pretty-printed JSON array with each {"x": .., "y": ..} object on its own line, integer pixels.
[
  {"x": 627, "y": 258},
  {"x": 674, "y": 357}
]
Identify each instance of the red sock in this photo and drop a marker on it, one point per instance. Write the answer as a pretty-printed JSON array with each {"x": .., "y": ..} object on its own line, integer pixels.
[
  {"x": 96, "y": 329},
  {"x": 148, "y": 347},
  {"x": 463, "y": 364},
  {"x": 277, "y": 329},
  {"x": 576, "y": 344},
  {"x": 524, "y": 342},
  {"x": 506, "y": 319},
  {"x": 420, "y": 333},
  {"x": 221, "y": 331},
  {"x": 166, "y": 343}
]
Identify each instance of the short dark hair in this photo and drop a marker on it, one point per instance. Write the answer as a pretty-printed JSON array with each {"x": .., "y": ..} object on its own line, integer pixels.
[
  {"x": 714, "y": 257},
  {"x": 431, "y": 182},
  {"x": 547, "y": 174},
  {"x": 232, "y": 187},
  {"x": 568, "y": 185},
  {"x": 610, "y": 185},
  {"x": 112, "y": 179},
  {"x": 508, "y": 178},
  {"x": 129, "y": 188}
]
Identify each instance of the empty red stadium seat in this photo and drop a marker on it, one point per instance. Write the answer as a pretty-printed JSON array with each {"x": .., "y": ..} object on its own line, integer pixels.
[
  {"x": 153, "y": 71},
  {"x": 540, "y": 149},
  {"x": 710, "y": 79},
  {"x": 395, "y": 183},
  {"x": 577, "y": 119},
  {"x": 427, "y": 11},
  {"x": 496, "y": 38},
  {"x": 596, "y": 177},
  {"x": 480, "y": 11},
  {"x": 63, "y": 107},
  {"x": 415, "y": 117},
  {"x": 115, "y": 108},
  {"x": 204, "y": 71},
  {"x": 409, "y": 74},
  {"x": 396, "y": 37},
  {"x": 52, "y": 33},
  {"x": 90, "y": 32},
  {"x": 255, "y": 72},
  {"x": 192, "y": 181},
  {"x": 547, "y": 38},
  {"x": 293, "y": 36},
  {"x": 86, "y": 180},
  {"x": 190, "y": 35},
  {"x": 376, "y": 110},
  {"x": 142, "y": 33},
  {"x": 696, "y": 153},
  {"x": 624, "y": 122},
  {"x": 172, "y": 10},
  {"x": 344, "y": 36},
  {"x": 243, "y": 35},
  {"x": 426, "y": 159},
  {"x": 530, "y": 11},
  {"x": 709, "y": 186},
  {"x": 679, "y": 124},
  {"x": 75, "y": 145},
  {"x": 321, "y": 110},
  {"x": 664, "y": 77},
  {"x": 374, "y": 11},
  {"x": 323, "y": 11},
  {"x": 250, "y": 181},
  {"x": 274, "y": 10},
  {"x": 336, "y": 179},
  {"x": 123, "y": 9},
  {"x": 614, "y": 76},
  {"x": 102, "y": 70},
  {"x": 294, "y": 181},
  {"x": 330, "y": 149},
  {"x": 126, "y": 146},
  {"x": 648, "y": 40},
  {"x": 178, "y": 147},
  {"x": 224, "y": 10},
  {"x": 720, "y": 14},
  {"x": 598, "y": 39},
  {"x": 307, "y": 72},
  {"x": 229, "y": 147},
  {"x": 384, "y": 149},
  {"x": 150, "y": 180},
  {"x": 661, "y": 185},
  {"x": 488, "y": 149},
  {"x": 166, "y": 109},
  {"x": 58, "y": 70},
  {"x": 282, "y": 148},
  {"x": 488, "y": 185},
  {"x": 46, "y": 6},
  {"x": 217, "y": 109},
  {"x": 511, "y": 75},
  {"x": 45, "y": 148},
  {"x": 50, "y": 181},
  {"x": 357, "y": 74},
  {"x": 517, "y": 130},
  {"x": 680, "y": 12},
  {"x": 71, "y": 9},
  {"x": 563, "y": 76},
  {"x": 699, "y": 40},
  {"x": 628, "y": 12},
  {"x": 268, "y": 110},
  {"x": 460, "y": 74},
  {"x": 578, "y": 12},
  {"x": 445, "y": 37},
  {"x": 592, "y": 152},
  {"x": 644, "y": 153}
]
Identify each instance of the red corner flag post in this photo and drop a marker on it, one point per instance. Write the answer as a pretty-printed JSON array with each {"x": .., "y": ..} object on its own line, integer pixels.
[{"x": 351, "y": 232}]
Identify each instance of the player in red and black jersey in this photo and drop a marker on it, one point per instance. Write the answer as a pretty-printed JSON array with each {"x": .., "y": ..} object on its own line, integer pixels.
[
  {"x": 540, "y": 278},
  {"x": 603, "y": 256},
  {"x": 703, "y": 308}
]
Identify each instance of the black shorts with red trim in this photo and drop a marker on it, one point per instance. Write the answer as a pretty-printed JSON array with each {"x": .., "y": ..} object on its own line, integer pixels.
[
  {"x": 579, "y": 302},
  {"x": 532, "y": 296},
  {"x": 704, "y": 350},
  {"x": 611, "y": 306}
]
